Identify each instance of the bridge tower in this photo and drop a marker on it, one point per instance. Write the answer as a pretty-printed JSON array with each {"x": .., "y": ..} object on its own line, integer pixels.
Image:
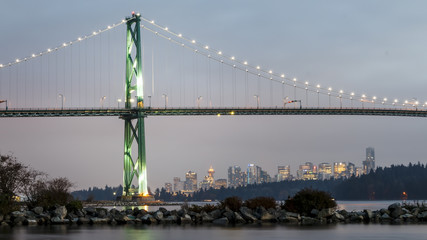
[{"x": 134, "y": 124}]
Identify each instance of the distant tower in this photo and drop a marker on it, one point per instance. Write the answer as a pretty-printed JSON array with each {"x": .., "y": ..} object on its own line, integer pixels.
[
  {"x": 211, "y": 172},
  {"x": 208, "y": 181},
  {"x": 369, "y": 163}
]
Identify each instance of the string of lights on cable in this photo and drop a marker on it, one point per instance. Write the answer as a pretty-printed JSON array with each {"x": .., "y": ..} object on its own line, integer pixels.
[
  {"x": 62, "y": 46},
  {"x": 243, "y": 65}
]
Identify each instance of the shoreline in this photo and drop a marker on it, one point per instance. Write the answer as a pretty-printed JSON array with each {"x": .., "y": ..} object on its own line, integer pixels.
[{"x": 393, "y": 214}]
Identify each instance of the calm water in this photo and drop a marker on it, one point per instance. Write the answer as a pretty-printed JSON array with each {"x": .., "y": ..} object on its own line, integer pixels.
[{"x": 247, "y": 232}]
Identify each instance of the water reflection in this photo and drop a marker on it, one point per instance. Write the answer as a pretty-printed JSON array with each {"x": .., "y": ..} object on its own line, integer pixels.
[{"x": 205, "y": 232}]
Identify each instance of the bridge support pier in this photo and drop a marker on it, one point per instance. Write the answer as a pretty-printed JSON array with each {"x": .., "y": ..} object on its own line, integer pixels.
[{"x": 134, "y": 167}]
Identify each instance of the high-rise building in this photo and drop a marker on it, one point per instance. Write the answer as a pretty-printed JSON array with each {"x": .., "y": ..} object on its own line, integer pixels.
[
  {"x": 359, "y": 171},
  {"x": 190, "y": 181},
  {"x": 220, "y": 183},
  {"x": 177, "y": 184},
  {"x": 351, "y": 170},
  {"x": 283, "y": 173},
  {"x": 255, "y": 175},
  {"x": 324, "y": 171},
  {"x": 369, "y": 163},
  {"x": 252, "y": 174},
  {"x": 305, "y": 172},
  {"x": 208, "y": 181},
  {"x": 264, "y": 177},
  {"x": 236, "y": 177},
  {"x": 168, "y": 187},
  {"x": 340, "y": 170}
]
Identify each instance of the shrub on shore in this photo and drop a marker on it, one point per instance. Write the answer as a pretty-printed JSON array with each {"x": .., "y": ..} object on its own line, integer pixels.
[
  {"x": 233, "y": 203},
  {"x": 266, "y": 202},
  {"x": 308, "y": 199},
  {"x": 199, "y": 208}
]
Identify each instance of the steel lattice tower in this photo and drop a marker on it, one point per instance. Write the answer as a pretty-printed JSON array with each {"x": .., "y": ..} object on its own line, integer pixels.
[{"x": 134, "y": 133}]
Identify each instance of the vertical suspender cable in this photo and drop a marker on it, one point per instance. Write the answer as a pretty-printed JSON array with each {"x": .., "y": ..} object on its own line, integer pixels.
[
  {"x": 79, "y": 78},
  {"x": 209, "y": 81},
  {"x": 234, "y": 86},
  {"x": 184, "y": 78},
  {"x": 109, "y": 69},
  {"x": 271, "y": 91},
  {"x": 64, "y": 79},
  {"x": 56, "y": 78},
  {"x": 93, "y": 69},
  {"x": 71, "y": 75},
  {"x": 17, "y": 86},
  {"x": 25, "y": 84},
  {"x": 86, "y": 76},
  {"x": 10, "y": 87},
  {"x": 32, "y": 83},
  {"x": 221, "y": 78},
  {"x": 196, "y": 79},
  {"x": 100, "y": 68},
  {"x": 246, "y": 88},
  {"x": 48, "y": 81}
]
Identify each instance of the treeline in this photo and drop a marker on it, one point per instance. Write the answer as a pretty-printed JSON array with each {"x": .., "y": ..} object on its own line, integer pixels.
[
  {"x": 96, "y": 194},
  {"x": 388, "y": 183}
]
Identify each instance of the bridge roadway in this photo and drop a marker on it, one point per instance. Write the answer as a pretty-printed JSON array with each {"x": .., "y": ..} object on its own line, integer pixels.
[{"x": 126, "y": 113}]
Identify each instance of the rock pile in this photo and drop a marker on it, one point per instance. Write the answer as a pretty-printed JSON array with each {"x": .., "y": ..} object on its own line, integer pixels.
[{"x": 395, "y": 214}]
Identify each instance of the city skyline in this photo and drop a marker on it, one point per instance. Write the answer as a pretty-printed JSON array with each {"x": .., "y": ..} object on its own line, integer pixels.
[
  {"x": 255, "y": 175},
  {"x": 352, "y": 45}
]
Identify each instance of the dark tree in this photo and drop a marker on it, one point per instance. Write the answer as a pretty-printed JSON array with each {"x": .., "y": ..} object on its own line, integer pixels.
[{"x": 15, "y": 177}]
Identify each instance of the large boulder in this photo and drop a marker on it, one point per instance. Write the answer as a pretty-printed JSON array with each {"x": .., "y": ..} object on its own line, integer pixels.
[
  {"x": 395, "y": 210},
  {"x": 148, "y": 219},
  {"x": 56, "y": 220},
  {"x": 325, "y": 213},
  {"x": 268, "y": 217},
  {"x": 394, "y": 206},
  {"x": 246, "y": 213},
  {"x": 238, "y": 218},
  {"x": 101, "y": 212},
  {"x": 186, "y": 219},
  {"x": 229, "y": 215},
  {"x": 170, "y": 219},
  {"x": 60, "y": 212},
  {"x": 385, "y": 217},
  {"x": 215, "y": 214},
  {"x": 158, "y": 215},
  {"x": 337, "y": 217},
  {"x": 206, "y": 217},
  {"x": 38, "y": 210},
  {"x": 422, "y": 216},
  {"x": 90, "y": 211}
]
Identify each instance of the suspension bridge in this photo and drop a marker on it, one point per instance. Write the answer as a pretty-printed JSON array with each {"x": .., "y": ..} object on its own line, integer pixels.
[{"x": 165, "y": 73}]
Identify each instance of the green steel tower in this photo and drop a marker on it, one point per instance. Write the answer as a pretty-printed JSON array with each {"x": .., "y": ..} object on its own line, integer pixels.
[{"x": 134, "y": 133}]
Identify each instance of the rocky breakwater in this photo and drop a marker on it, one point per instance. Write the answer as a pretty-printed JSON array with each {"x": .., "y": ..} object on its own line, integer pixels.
[{"x": 394, "y": 214}]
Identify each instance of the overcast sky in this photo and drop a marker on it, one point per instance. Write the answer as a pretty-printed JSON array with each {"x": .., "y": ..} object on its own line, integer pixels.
[{"x": 373, "y": 47}]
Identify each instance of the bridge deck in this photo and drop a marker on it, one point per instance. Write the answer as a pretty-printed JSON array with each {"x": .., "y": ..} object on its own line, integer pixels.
[{"x": 207, "y": 111}]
